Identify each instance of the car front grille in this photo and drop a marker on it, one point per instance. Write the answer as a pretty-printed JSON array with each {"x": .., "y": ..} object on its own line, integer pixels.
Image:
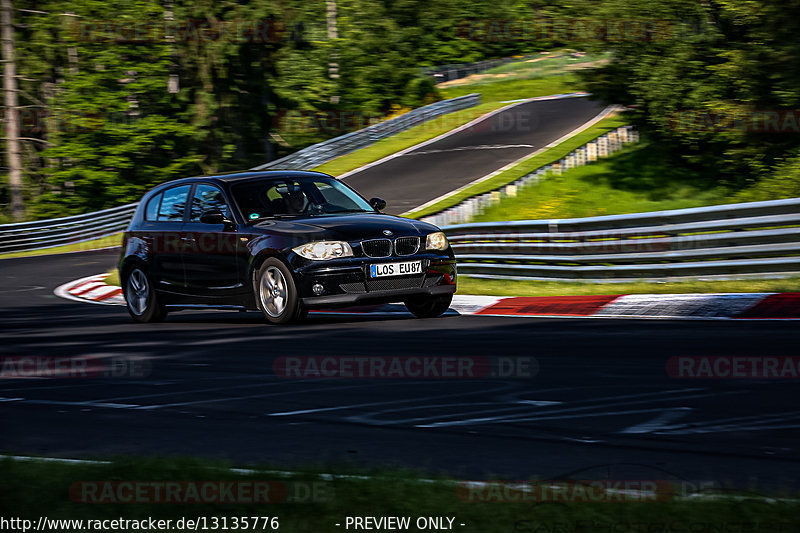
[
  {"x": 393, "y": 284},
  {"x": 377, "y": 248},
  {"x": 406, "y": 245},
  {"x": 402, "y": 246},
  {"x": 353, "y": 288}
]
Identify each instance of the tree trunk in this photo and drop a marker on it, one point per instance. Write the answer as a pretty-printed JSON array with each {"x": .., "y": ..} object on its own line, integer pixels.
[{"x": 12, "y": 116}]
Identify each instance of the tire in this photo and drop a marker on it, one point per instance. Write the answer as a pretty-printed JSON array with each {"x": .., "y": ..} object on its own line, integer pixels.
[
  {"x": 141, "y": 298},
  {"x": 276, "y": 293},
  {"x": 429, "y": 306}
]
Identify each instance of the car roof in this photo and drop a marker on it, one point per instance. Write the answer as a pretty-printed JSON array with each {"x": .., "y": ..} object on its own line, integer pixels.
[
  {"x": 239, "y": 176},
  {"x": 231, "y": 177}
]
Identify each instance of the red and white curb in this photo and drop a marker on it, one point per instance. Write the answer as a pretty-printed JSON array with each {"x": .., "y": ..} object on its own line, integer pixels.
[
  {"x": 91, "y": 289},
  {"x": 654, "y": 306},
  {"x": 767, "y": 305},
  {"x": 94, "y": 290}
]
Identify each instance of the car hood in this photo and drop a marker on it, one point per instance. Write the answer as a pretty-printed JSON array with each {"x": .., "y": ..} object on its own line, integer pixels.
[{"x": 348, "y": 227}]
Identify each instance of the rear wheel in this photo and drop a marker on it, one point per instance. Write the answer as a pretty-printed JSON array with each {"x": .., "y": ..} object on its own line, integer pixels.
[
  {"x": 429, "y": 306},
  {"x": 142, "y": 300},
  {"x": 276, "y": 293}
]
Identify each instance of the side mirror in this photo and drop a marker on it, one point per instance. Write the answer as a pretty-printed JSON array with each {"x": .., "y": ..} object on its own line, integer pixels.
[
  {"x": 214, "y": 216},
  {"x": 378, "y": 204}
]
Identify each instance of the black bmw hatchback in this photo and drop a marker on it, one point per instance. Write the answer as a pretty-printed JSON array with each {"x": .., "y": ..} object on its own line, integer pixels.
[{"x": 283, "y": 242}]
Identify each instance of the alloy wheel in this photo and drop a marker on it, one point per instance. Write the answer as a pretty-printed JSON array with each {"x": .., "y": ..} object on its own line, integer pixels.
[{"x": 273, "y": 291}]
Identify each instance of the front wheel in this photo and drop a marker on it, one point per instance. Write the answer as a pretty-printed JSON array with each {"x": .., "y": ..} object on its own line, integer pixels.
[
  {"x": 429, "y": 306},
  {"x": 277, "y": 293},
  {"x": 142, "y": 300}
]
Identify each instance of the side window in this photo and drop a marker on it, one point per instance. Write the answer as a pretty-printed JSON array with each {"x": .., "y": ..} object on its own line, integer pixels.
[
  {"x": 151, "y": 212},
  {"x": 173, "y": 204},
  {"x": 207, "y": 197}
]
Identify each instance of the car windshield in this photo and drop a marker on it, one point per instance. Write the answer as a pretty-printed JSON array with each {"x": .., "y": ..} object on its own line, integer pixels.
[{"x": 297, "y": 196}]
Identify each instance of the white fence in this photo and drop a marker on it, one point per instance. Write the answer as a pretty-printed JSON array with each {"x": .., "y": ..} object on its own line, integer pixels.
[{"x": 603, "y": 146}]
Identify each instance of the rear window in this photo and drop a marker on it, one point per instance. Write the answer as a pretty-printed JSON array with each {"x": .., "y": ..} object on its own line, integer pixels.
[
  {"x": 151, "y": 212},
  {"x": 174, "y": 203}
]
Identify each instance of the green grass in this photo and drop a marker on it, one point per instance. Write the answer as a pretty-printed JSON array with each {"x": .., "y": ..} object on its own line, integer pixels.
[
  {"x": 524, "y": 79},
  {"x": 33, "y": 489},
  {"x": 554, "y": 62},
  {"x": 639, "y": 178},
  {"x": 112, "y": 277},
  {"x": 546, "y": 157},
  {"x": 103, "y": 242},
  {"x": 495, "y": 287},
  {"x": 502, "y": 90}
]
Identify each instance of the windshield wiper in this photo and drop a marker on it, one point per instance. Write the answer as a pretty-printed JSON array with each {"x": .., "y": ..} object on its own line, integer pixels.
[{"x": 348, "y": 211}]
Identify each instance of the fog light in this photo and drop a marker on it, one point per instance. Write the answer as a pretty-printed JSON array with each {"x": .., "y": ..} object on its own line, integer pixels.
[{"x": 318, "y": 289}]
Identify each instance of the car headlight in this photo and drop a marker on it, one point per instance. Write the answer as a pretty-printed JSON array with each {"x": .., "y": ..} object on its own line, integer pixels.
[
  {"x": 436, "y": 241},
  {"x": 322, "y": 250}
]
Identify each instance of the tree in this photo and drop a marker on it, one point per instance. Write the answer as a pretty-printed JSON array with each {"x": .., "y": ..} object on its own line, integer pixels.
[
  {"x": 11, "y": 111},
  {"x": 714, "y": 62}
]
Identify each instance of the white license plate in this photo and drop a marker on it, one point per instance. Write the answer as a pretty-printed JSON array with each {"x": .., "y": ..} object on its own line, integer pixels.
[{"x": 395, "y": 269}]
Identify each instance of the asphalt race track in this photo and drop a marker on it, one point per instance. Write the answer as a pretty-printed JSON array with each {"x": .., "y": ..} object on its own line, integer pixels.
[
  {"x": 420, "y": 175},
  {"x": 600, "y": 402}
]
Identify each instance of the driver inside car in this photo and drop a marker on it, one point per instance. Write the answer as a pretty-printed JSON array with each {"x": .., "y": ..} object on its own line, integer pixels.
[{"x": 295, "y": 202}]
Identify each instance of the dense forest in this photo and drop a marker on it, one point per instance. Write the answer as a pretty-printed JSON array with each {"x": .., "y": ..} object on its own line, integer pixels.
[{"x": 116, "y": 97}]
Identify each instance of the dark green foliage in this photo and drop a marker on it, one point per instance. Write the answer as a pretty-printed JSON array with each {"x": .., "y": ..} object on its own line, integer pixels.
[
  {"x": 102, "y": 126},
  {"x": 713, "y": 61}
]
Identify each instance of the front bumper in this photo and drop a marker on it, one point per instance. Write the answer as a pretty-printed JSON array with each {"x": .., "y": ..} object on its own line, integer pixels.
[{"x": 347, "y": 281}]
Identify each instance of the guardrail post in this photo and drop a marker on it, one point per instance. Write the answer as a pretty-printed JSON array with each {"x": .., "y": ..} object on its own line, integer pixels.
[
  {"x": 591, "y": 151},
  {"x": 602, "y": 146},
  {"x": 613, "y": 142},
  {"x": 580, "y": 155}
]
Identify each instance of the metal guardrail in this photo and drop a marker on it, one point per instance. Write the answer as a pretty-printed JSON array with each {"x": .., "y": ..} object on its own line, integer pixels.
[
  {"x": 757, "y": 239},
  {"x": 456, "y": 71},
  {"x": 602, "y": 146},
  {"x": 24, "y": 236},
  {"x": 40, "y": 234},
  {"x": 325, "y": 151}
]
